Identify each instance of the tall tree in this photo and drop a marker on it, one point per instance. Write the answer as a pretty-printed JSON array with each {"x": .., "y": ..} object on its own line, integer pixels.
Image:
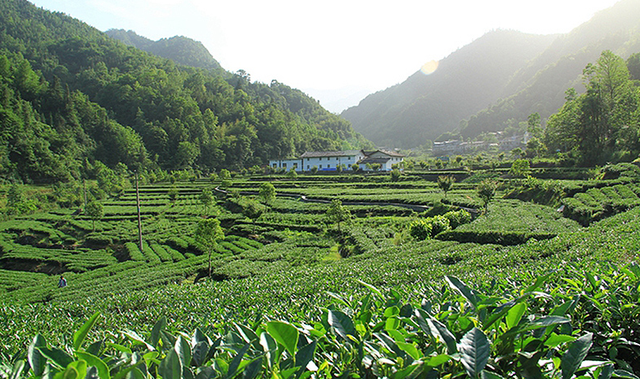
[
  {"x": 337, "y": 213},
  {"x": 601, "y": 123},
  {"x": 208, "y": 233},
  {"x": 445, "y": 182},
  {"x": 267, "y": 193}
]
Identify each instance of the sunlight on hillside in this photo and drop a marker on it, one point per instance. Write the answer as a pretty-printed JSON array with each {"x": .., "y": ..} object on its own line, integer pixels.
[{"x": 429, "y": 67}]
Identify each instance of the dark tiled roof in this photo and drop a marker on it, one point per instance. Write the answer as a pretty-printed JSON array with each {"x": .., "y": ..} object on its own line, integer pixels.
[{"x": 322, "y": 154}]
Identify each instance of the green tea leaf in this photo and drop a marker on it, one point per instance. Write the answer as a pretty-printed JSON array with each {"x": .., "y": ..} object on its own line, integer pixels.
[
  {"x": 440, "y": 331},
  {"x": 538, "y": 283},
  {"x": 515, "y": 314},
  {"x": 16, "y": 371},
  {"x": 624, "y": 374},
  {"x": 36, "y": 360},
  {"x": 235, "y": 362},
  {"x": 285, "y": 334},
  {"x": 93, "y": 361},
  {"x": 75, "y": 370},
  {"x": 252, "y": 370},
  {"x": 133, "y": 336},
  {"x": 81, "y": 334},
  {"x": 555, "y": 339},
  {"x": 410, "y": 349},
  {"x": 155, "y": 332},
  {"x": 490, "y": 375},
  {"x": 573, "y": 357},
  {"x": 605, "y": 372},
  {"x": 170, "y": 366},
  {"x": 58, "y": 357},
  {"x": 474, "y": 348},
  {"x": 270, "y": 347},
  {"x": 438, "y": 360},
  {"x": 465, "y": 291},
  {"x": 183, "y": 349},
  {"x": 304, "y": 356},
  {"x": 342, "y": 324},
  {"x": 371, "y": 287},
  {"x": 412, "y": 371}
]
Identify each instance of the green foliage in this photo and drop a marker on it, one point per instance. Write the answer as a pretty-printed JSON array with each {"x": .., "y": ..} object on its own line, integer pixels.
[
  {"x": 445, "y": 183},
  {"x": 486, "y": 191},
  {"x": 457, "y": 331},
  {"x": 508, "y": 270},
  {"x": 73, "y": 97},
  {"x": 420, "y": 229},
  {"x": 267, "y": 193},
  {"x": 598, "y": 126},
  {"x": 395, "y": 175},
  {"x": 457, "y": 218},
  {"x": 337, "y": 213},
  {"x": 95, "y": 211},
  {"x": 206, "y": 198},
  {"x": 520, "y": 168}
]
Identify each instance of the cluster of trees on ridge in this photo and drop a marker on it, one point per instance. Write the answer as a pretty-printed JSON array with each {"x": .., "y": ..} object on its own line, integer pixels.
[
  {"x": 71, "y": 96},
  {"x": 602, "y": 124}
]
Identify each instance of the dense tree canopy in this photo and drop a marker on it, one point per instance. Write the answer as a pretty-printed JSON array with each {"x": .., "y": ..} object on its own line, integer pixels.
[
  {"x": 71, "y": 96},
  {"x": 600, "y": 125}
]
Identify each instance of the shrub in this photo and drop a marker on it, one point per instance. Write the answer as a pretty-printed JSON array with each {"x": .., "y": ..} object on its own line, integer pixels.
[
  {"x": 520, "y": 168},
  {"x": 395, "y": 175},
  {"x": 420, "y": 229},
  {"x": 457, "y": 218},
  {"x": 439, "y": 224}
]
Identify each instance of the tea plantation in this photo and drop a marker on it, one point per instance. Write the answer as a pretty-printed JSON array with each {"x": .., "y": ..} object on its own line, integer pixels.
[{"x": 406, "y": 283}]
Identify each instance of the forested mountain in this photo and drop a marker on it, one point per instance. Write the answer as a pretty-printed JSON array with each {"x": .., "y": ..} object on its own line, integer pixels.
[
  {"x": 181, "y": 50},
  {"x": 425, "y": 106},
  {"x": 540, "y": 86},
  {"x": 73, "y": 98},
  {"x": 482, "y": 93}
]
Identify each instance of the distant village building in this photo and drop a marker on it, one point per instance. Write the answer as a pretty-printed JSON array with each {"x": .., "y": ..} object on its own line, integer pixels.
[
  {"x": 331, "y": 160},
  {"x": 453, "y": 147}
]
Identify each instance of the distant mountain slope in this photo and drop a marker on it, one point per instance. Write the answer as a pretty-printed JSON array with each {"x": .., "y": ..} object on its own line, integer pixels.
[
  {"x": 494, "y": 82},
  {"x": 465, "y": 82},
  {"x": 540, "y": 86},
  {"x": 179, "y": 49}
]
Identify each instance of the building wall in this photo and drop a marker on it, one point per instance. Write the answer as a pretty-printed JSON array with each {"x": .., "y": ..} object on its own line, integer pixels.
[
  {"x": 330, "y": 163},
  {"x": 286, "y": 164}
]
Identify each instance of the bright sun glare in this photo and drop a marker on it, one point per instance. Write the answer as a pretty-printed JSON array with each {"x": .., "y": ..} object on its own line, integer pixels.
[{"x": 429, "y": 67}]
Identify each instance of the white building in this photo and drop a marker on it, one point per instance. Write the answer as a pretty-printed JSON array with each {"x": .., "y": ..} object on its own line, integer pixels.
[
  {"x": 386, "y": 159},
  {"x": 330, "y": 160}
]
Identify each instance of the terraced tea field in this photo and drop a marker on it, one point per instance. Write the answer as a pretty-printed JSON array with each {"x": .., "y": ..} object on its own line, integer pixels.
[{"x": 368, "y": 283}]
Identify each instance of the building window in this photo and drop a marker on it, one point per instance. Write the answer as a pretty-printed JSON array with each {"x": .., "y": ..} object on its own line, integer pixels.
[
  {"x": 320, "y": 166},
  {"x": 275, "y": 165},
  {"x": 284, "y": 165}
]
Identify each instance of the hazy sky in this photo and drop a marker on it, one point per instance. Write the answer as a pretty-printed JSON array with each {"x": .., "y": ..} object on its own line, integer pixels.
[{"x": 330, "y": 44}]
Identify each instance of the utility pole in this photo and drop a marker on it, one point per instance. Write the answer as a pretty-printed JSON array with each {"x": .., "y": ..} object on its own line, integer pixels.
[{"x": 139, "y": 219}]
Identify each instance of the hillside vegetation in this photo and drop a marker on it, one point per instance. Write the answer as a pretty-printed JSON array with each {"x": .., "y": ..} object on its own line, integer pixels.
[
  {"x": 72, "y": 96},
  {"x": 292, "y": 290},
  {"x": 179, "y": 49},
  {"x": 494, "y": 83}
]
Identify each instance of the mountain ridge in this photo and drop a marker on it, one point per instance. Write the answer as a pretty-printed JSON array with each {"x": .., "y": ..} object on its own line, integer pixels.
[
  {"x": 180, "y": 49},
  {"x": 400, "y": 117},
  {"x": 447, "y": 85}
]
